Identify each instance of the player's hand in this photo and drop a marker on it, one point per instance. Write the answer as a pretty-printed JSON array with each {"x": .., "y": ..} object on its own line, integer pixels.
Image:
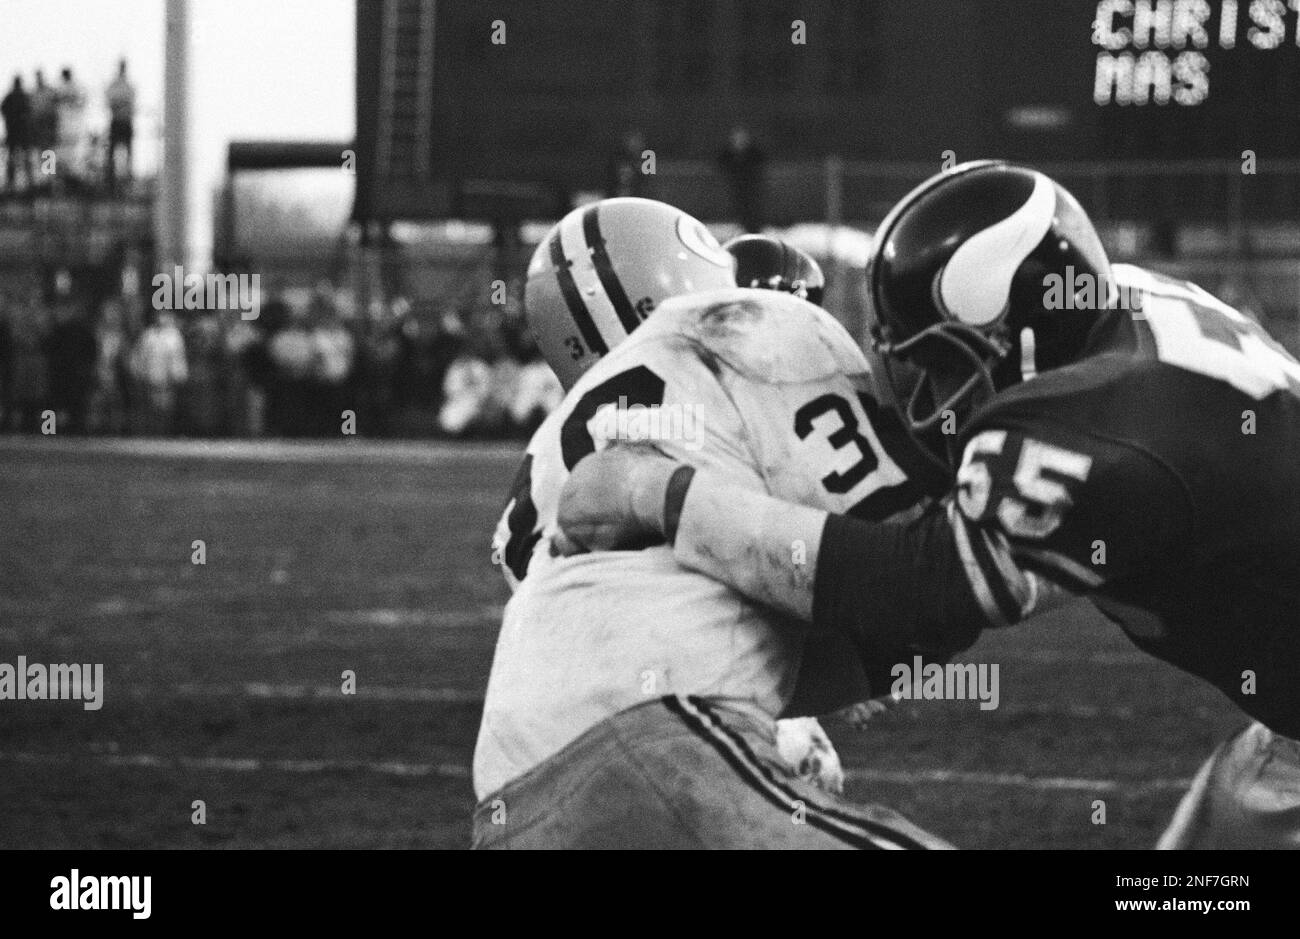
[
  {"x": 859, "y": 716},
  {"x": 614, "y": 499},
  {"x": 803, "y": 744}
]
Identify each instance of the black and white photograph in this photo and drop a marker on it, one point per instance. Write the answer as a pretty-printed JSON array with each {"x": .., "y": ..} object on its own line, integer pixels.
[{"x": 442, "y": 425}]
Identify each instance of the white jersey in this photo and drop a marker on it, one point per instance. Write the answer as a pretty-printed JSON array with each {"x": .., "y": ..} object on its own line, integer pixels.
[{"x": 756, "y": 384}]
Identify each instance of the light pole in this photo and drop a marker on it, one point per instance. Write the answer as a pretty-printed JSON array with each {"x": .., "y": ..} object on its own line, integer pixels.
[{"x": 172, "y": 211}]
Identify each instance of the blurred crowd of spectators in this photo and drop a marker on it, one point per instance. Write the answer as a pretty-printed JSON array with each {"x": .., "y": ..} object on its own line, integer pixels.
[
  {"x": 56, "y": 136},
  {"x": 297, "y": 370}
]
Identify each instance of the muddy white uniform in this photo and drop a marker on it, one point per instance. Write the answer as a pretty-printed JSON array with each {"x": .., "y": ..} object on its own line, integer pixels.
[{"x": 761, "y": 386}]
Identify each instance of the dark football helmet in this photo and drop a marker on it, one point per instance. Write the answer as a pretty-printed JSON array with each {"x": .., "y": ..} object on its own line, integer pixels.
[
  {"x": 981, "y": 277},
  {"x": 771, "y": 264}
]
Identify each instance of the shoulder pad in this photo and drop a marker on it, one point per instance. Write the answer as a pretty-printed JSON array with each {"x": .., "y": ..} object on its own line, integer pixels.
[
  {"x": 1130, "y": 275},
  {"x": 764, "y": 335}
]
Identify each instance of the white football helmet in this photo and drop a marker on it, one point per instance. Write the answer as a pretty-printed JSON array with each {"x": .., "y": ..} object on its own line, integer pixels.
[{"x": 605, "y": 267}]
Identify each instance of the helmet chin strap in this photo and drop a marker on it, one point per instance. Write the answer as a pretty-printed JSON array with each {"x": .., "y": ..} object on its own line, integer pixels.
[{"x": 1028, "y": 366}]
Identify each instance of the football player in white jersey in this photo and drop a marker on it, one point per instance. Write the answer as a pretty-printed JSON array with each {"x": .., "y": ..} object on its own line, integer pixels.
[
  {"x": 586, "y": 335},
  {"x": 631, "y": 703}
]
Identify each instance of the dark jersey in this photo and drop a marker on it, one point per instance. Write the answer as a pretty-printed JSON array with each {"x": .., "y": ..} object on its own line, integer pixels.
[{"x": 1161, "y": 475}]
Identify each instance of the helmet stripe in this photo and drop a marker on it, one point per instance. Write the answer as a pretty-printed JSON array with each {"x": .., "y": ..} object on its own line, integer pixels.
[
  {"x": 588, "y": 283},
  {"x": 573, "y": 299},
  {"x": 975, "y": 285},
  {"x": 605, "y": 269}
]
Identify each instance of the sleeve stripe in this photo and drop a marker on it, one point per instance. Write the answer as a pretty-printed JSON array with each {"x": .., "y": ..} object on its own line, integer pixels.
[
  {"x": 975, "y": 574},
  {"x": 987, "y": 557},
  {"x": 1078, "y": 574},
  {"x": 1020, "y": 584}
]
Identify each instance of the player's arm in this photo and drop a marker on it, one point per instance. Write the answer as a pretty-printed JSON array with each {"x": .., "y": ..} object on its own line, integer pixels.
[
  {"x": 931, "y": 583},
  {"x": 1029, "y": 511},
  {"x": 922, "y": 583},
  {"x": 656, "y": 391}
]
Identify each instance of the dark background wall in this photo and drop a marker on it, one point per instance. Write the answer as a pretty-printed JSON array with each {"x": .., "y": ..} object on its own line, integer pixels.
[{"x": 886, "y": 80}]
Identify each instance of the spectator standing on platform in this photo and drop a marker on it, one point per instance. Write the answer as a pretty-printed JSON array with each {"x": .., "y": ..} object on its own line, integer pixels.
[
  {"x": 159, "y": 369},
  {"x": 45, "y": 119},
  {"x": 743, "y": 164},
  {"x": 121, "y": 127},
  {"x": 72, "y": 130},
  {"x": 16, "y": 110}
]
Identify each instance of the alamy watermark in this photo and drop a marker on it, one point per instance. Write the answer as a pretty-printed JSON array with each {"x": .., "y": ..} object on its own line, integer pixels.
[
  {"x": 38, "y": 682},
  {"x": 642, "y": 423},
  {"x": 1075, "y": 290},
  {"x": 103, "y": 892},
  {"x": 181, "y": 291},
  {"x": 955, "y": 681}
]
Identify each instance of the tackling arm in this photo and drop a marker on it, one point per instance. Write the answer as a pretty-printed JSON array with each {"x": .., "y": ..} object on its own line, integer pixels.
[{"x": 930, "y": 584}]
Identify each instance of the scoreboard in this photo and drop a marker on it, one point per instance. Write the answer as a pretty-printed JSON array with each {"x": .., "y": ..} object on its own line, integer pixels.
[
  {"x": 508, "y": 108},
  {"x": 1159, "y": 52},
  {"x": 1197, "y": 78}
]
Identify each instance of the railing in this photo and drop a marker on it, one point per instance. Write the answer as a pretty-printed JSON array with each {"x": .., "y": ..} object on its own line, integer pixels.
[
  {"x": 1227, "y": 193},
  {"x": 1230, "y": 225},
  {"x": 73, "y": 230}
]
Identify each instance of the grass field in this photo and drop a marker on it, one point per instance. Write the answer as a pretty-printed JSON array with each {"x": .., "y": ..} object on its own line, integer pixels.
[{"x": 222, "y": 680}]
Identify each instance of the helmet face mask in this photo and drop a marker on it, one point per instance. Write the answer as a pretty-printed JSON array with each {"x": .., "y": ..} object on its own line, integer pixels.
[
  {"x": 958, "y": 282},
  {"x": 937, "y": 375},
  {"x": 956, "y": 364}
]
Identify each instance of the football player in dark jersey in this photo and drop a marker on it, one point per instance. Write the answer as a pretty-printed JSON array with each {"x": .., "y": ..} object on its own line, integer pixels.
[{"x": 1140, "y": 452}]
